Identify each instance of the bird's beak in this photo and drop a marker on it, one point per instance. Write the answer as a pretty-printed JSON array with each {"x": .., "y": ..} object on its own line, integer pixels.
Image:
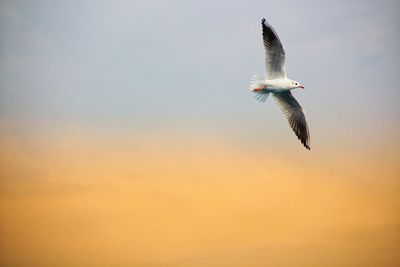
[{"x": 301, "y": 86}]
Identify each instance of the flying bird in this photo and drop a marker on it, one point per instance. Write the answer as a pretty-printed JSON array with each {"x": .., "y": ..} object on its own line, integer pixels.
[{"x": 279, "y": 85}]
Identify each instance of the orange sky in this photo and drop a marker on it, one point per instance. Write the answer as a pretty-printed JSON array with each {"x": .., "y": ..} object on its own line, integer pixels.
[{"x": 79, "y": 198}]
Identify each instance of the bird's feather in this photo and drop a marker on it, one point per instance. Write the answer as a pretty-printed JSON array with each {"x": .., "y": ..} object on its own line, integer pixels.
[
  {"x": 255, "y": 83},
  {"x": 295, "y": 115},
  {"x": 274, "y": 52}
]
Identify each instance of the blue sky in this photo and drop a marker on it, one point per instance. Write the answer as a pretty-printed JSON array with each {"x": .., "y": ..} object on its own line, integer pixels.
[{"x": 179, "y": 64}]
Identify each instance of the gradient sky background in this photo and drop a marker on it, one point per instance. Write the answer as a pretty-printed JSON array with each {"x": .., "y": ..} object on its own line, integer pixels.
[{"x": 128, "y": 136}]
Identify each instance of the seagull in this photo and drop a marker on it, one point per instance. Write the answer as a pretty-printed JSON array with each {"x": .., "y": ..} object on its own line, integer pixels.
[{"x": 279, "y": 85}]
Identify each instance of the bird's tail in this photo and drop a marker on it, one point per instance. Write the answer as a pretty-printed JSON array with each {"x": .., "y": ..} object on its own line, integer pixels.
[{"x": 254, "y": 88}]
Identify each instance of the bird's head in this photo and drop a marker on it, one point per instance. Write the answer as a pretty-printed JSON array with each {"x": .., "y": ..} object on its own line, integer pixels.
[{"x": 295, "y": 85}]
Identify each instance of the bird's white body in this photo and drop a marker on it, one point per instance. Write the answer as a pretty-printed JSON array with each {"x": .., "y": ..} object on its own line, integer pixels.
[
  {"x": 276, "y": 85},
  {"x": 279, "y": 86}
]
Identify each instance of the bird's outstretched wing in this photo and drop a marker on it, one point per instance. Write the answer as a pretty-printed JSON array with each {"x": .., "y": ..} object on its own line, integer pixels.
[
  {"x": 295, "y": 115},
  {"x": 274, "y": 52}
]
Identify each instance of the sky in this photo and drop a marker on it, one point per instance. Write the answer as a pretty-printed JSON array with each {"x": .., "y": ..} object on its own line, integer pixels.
[{"x": 128, "y": 136}]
